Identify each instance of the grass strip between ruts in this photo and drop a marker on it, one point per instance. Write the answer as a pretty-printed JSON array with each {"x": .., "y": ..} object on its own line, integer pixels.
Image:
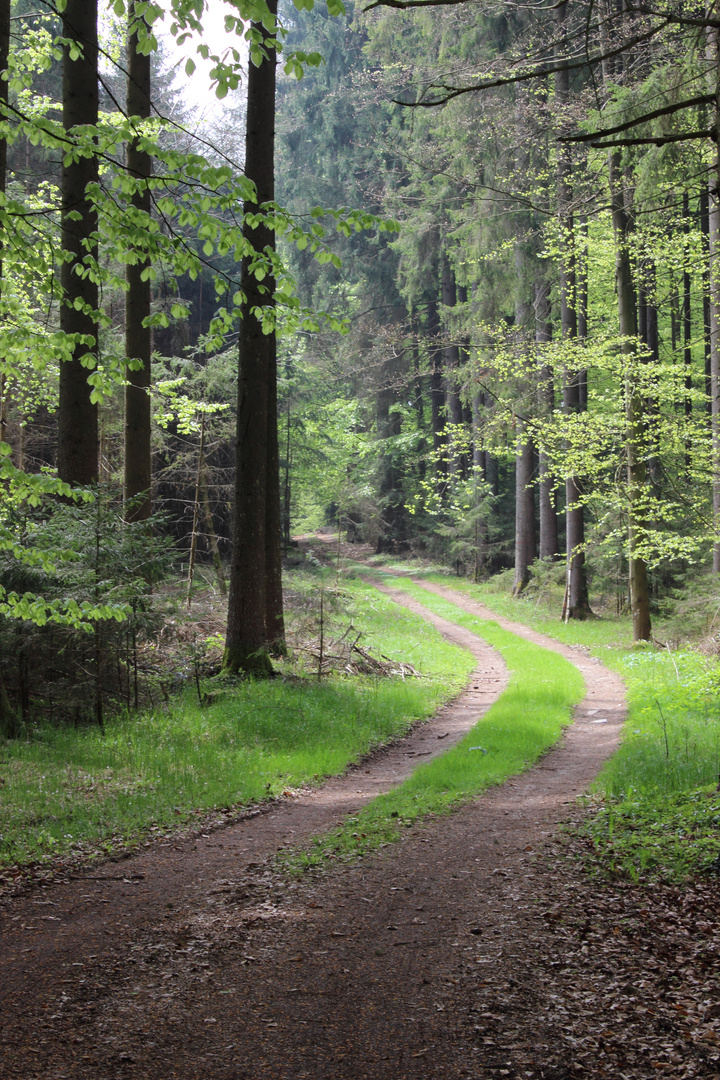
[{"x": 524, "y": 722}]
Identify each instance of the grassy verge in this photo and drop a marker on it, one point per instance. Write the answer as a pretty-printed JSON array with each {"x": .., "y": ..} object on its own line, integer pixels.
[
  {"x": 68, "y": 793},
  {"x": 656, "y": 813},
  {"x": 525, "y": 721}
]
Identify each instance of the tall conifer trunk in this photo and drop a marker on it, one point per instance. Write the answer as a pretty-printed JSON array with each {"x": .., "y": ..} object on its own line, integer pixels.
[
  {"x": 548, "y": 547},
  {"x": 577, "y": 603},
  {"x": 451, "y": 354},
  {"x": 524, "y": 509},
  {"x": 634, "y": 407},
  {"x": 437, "y": 399},
  {"x": 713, "y": 52},
  {"x": 4, "y": 98},
  {"x": 274, "y": 610},
  {"x": 77, "y": 415},
  {"x": 138, "y": 338},
  {"x": 704, "y": 215},
  {"x": 255, "y": 613},
  {"x": 714, "y": 312}
]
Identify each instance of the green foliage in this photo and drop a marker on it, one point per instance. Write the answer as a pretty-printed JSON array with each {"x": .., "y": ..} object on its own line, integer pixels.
[
  {"x": 672, "y": 739},
  {"x": 672, "y": 838}
]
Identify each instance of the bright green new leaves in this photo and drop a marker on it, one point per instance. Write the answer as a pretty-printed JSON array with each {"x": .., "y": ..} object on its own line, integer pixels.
[
  {"x": 196, "y": 222},
  {"x": 181, "y": 409}
]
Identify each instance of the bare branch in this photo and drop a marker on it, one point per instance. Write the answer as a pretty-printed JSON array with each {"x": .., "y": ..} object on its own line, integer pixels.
[
  {"x": 660, "y": 140},
  {"x": 526, "y": 76},
  {"x": 701, "y": 99},
  {"x": 404, "y": 4},
  {"x": 673, "y": 17}
]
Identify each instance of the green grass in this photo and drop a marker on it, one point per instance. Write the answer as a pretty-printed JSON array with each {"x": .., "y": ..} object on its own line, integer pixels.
[
  {"x": 525, "y": 721},
  {"x": 87, "y": 792},
  {"x": 655, "y": 813},
  {"x": 659, "y": 816}
]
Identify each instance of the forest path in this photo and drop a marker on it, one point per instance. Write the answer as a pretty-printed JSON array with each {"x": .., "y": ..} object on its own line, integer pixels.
[{"x": 195, "y": 959}]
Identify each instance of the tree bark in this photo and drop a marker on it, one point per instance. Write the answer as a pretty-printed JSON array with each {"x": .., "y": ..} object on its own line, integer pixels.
[
  {"x": 549, "y": 543},
  {"x": 649, "y": 336},
  {"x": 704, "y": 214},
  {"x": 255, "y": 625},
  {"x": 713, "y": 56},
  {"x": 417, "y": 385},
  {"x": 138, "y": 337},
  {"x": 714, "y": 305},
  {"x": 634, "y": 407},
  {"x": 4, "y": 99},
  {"x": 390, "y": 476},
  {"x": 77, "y": 415},
  {"x": 437, "y": 400},
  {"x": 451, "y": 356},
  {"x": 687, "y": 310},
  {"x": 524, "y": 510},
  {"x": 577, "y": 603}
]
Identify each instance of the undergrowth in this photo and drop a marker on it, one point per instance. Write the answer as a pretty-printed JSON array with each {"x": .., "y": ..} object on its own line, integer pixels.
[
  {"x": 525, "y": 721},
  {"x": 87, "y": 791}
]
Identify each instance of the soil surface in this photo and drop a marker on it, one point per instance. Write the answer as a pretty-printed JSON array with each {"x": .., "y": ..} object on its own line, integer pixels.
[{"x": 476, "y": 947}]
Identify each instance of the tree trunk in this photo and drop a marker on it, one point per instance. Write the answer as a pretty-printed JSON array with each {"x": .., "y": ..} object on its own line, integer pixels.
[
  {"x": 687, "y": 331},
  {"x": 713, "y": 56},
  {"x": 210, "y": 532},
  {"x": 274, "y": 611},
  {"x": 255, "y": 604},
  {"x": 648, "y": 334},
  {"x": 687, "y": 310},
  {"x": 451, "y": 356},
  {"x": 437, "y": 400},
  {"x": 549, "y": 544},
  {"x": 524, "y": 510},
  {"x": 634, "y": 407},
  {"x": 4, "y": 99},
  {"x": 77, "y": 415},
  {"x": 464, "y": 361},
  {"x": 704, "y": 214},
  {"x": 577, "y": 604},
  {"x": 138, "y": 337},
  {"x": 418, "y": 400},
  {"x": 9, "y": 722},
  {"x": 714, "y": 305},
  {"x": 390, "y": 478}
]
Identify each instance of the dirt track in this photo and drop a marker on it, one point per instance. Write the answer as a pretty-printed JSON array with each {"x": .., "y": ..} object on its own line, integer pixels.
[{"x": 444, "y": 956}]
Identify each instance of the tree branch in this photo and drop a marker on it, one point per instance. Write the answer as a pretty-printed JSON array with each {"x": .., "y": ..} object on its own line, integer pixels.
[
  {"x": 701, "y": 99},
  {"x": 679, "y": 20},
  {"x": 508, "y": 80},
  {"x": 660, "y": 140},
  {"x": 404, "y": 4}
]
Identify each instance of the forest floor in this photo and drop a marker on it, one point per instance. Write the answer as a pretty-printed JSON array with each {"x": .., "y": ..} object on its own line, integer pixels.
[{"x": 476, "y": 947}]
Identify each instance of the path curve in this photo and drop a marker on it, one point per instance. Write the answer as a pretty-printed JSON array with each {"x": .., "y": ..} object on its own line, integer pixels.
[
  {"x": 604, "y": 703},
  {"x": 241, "y": 975}
]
